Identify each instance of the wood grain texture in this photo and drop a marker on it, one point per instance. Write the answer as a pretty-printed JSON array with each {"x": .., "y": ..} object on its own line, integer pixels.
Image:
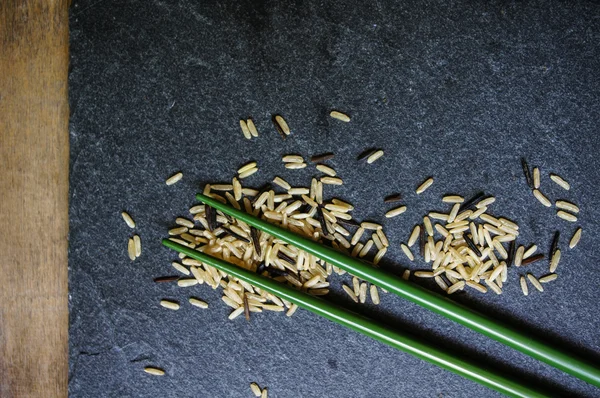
[{"x": 34, "y": 150}]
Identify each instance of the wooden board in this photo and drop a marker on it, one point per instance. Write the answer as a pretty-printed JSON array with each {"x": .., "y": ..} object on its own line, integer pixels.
[{"x": 34, "y": 164}]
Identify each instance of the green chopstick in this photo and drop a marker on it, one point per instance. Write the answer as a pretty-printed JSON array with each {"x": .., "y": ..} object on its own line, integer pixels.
[
  {"x": 402, "y": 341},
  {"x": 483, "y": 324}
]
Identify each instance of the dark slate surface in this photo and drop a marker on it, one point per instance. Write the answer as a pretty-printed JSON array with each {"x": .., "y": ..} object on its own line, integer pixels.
[{"x": 456, "y": 90}]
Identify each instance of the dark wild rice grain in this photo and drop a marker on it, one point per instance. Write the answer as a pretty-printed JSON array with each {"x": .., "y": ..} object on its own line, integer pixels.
[
  {"x": 471, "y": 202},
  {"x": 527, "y": 173},
  {"x": 511, "y": 253},
  {"x": 532, "y": 259},
  {"x": 211, "y": 218},
  {"x": 392, "y": 198},
  {"x": 422, "y": 240},
  {"x": 321, "y": 158},
  {"x": 471, "y": 244},
  {"x": 165, "y": 279},
  {"x": 255, "y": 240}
]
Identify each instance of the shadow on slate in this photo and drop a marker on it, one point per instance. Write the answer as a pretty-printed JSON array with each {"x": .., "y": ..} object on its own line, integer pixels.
[{"x": 459, "y": 91}]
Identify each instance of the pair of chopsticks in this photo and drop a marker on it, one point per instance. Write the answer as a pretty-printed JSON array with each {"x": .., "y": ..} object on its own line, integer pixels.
[{"x": 481, "y": 323}]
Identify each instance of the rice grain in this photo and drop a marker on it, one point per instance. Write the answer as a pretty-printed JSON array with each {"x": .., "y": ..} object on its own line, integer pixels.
[
  {"x": 453, "y": 199},
  {"x": 566, "y": 216},
  {"x": 548, "y": 278},
  {"x": 373, "y": 157},
  {"x": 554, "y": 260},
  {"x": 407, "y": 252},
  {"x": 198, "y": 303},
  {"x": 174, "y": 178},
  {"x": 568, "y": 206},
  {"x": 282, "y": 124},
  {"x": 560, "y": 181},
  {"x": 255, "y": 389},
  {"x": 326, "y": 170},
  {"x": 523, "y": 283},
  {"x": 542, "y": 198},
  {"x": 351, "y": 293},
  {"x": 426, "y": 184},
  {"x": 535, "y": 282},
  {"x": 575, "y": 239},
  {"x": 154, "y": 371},
  {"x": 395, "y": 212},
  {"x": 295, "y": 165},
  {"x": 171, "y": 305},
  {"x": 414, "y": 235},
  {"x": 131, "y": 249},
  {"x": 331, "y": 180},
  {"x": 252, "y": 128},
  {"x": 340, "y": 116},
  {"x": 536, "y": 177},
  {"x": 128, "y": 219},
  {"x": 137, "y": 243}
]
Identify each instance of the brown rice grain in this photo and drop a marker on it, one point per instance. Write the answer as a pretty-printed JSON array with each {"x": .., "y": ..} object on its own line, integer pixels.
[
  {"x": 235, "y": 313},
  {"x": 326, "y": 170},
  {"x": 554, "y": 260},
  {"x": 575, "y": 239},
  {"x": 477, "y": 286},
  {"x": 245, "y": 129},
  {"x": 131, "y": 249},
  {"x": 524, "y": 287},
  {"x": 453, "y": 199},
  {"x": 169, "y": 304},
  {"x": 154, "y": 371},
  {"x": 424, "y": 274},
  {"x": 252, "y": 128},
  {"x": 295, "y": 165},
  {"x": 406, "y": 274},
  {"x": 246, "y": 167},
  {"x": 428, "y": 226},
  {"x": 379, "y": 255},
  {"x": 180, "y": 268},
  {"x": 414, "y": 235},
  {"x": 440, "y": 282},
  {"x": 495, "y": 288},
  {"x": 438, "y": 216},
  {"x": 536, "y": 177},
  {"x": 282, "y": 125},
  {"x": 247, "y": 173},
  {"x": 362, "y": 296},
  {"x": 255, "y": 389},
  {"x": 443, "y": 231},
  {"x": 519, "y": 256},
  {"x": 282, "y": 183},
  {"x": 460, "y": 285},
  {"x": 395, "y": 212},
  {"x": 542, "y": 198},
  {"x": 485, "y": 202},
  {"x": 128, "y": 219},
  {"x": 548, "y": 278},
  {"x": 137, "y": 243},
  {"x": 198, "y": 303},
  {"x": 374, "y": 156},
  {"x": 187, "y": 282},
  {"x": 350, "y": 293},
  {"x": 292, "y": 310},
  {"x": 366, "y": 248},
  {"x": 566, "y": 216},
  {"x": 340, "y": 116},
  {"x": 265, "y": 393},
  {"x": 560, "y": 181},
  {"x": 426, "y": 184},
  {"x": 529, "y": 252},
  {"x": 370, "y": 225},
  {"x": 535, "y": 282},
  {"x": 374, "y": 293},
  {"x": 476, "y": 214},
  {"x": 568, "y": 206},
  {"x": 174, "y": 178},
  {"x": 407, "y": 252},
  {"x": 331, "y": 180}
]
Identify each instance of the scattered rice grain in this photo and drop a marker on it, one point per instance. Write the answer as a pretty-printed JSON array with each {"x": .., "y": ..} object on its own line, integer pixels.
[
  {"x": 426, "y": 184},
  {"x": 560, "y": 181},
  {"x": 174, "y": 178},
  {"x": 575, "y": 239}
]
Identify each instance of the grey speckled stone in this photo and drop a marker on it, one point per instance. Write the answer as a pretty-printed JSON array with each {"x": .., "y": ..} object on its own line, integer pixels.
[{"x": 458, "y": 90}]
